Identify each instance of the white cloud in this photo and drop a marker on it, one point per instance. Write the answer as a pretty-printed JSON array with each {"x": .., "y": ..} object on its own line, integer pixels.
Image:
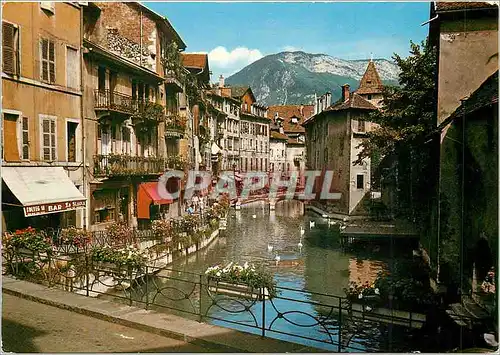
[{"x": 227, "y": 62}]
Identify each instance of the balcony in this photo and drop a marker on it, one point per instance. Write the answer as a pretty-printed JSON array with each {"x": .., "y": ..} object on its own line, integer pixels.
[
  {"x": 175, "y": 126},
  {"x": 141, "y": 110},
  {"x": 126, "y": 165},
  {"x": 114, "y": 101},
  {"x": 172, "y": 82},
  {"x": 175, "y": 162}
]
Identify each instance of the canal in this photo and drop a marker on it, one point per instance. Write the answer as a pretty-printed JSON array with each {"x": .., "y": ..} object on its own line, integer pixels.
[{"x": 313, "y": 271}]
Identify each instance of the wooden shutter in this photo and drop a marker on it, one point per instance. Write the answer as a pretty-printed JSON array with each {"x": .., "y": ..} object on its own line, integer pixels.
[
  {"x": 25, "y": 137},
  {"x": 9, "y": 48},
  {"x": 11, "y": 151},
  {"x": 44, "y": 57},
  {"x": 52, "y": 64},
  {"x": 53, "y": 139},
  {"x": 46, "y": 139}
]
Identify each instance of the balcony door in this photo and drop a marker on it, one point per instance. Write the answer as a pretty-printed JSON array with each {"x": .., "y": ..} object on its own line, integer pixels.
[{"x": 105, "y": 140}]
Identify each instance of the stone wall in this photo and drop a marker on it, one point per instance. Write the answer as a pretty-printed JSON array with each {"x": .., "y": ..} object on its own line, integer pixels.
[{"x": 128, "y": 49}]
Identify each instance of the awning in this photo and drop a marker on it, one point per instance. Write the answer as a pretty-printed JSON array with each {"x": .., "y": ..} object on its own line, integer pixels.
[
  {"x": 147, "y": 193},
  {"x": 42, "y": 190},
  {"x": 215, "y": 148}
]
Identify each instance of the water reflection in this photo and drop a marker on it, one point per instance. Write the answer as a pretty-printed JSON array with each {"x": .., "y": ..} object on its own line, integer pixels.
[{"x": 312, "y": 262}]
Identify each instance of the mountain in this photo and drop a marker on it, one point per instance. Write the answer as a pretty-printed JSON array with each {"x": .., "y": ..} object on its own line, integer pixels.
[{"x": 294, "y": 77}]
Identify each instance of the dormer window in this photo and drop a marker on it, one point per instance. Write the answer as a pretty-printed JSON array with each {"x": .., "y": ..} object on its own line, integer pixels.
[
  {"x": 368, "y": 81},
  {"x": 369, "y": 97},
  {"x": 295, "y": 120}
]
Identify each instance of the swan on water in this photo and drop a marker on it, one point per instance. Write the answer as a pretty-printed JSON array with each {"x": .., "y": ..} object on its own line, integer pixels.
[
  {"x": 269, "y": 247},
  {"x": 254, "y": 216},
  {"x": 311, "y": 224},
  {"x": 324, "y": 215},
  {"x": 277, "y": 259}
]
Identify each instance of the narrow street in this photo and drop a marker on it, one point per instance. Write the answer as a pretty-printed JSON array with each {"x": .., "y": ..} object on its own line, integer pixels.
[{"x": 30, "y": 327}]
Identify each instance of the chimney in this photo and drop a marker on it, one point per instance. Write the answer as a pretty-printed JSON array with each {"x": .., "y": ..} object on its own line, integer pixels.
[
  {"x": 221, "y": 81},
  {"x": 302, "y": 110},
  {"x": 345, "y": 92},
  {"x": 328, "y": 97}
]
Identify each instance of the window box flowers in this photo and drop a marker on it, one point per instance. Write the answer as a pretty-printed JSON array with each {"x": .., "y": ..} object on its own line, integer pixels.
[
  {"x": 72, "y": 236},
  {"x": 27, "y": 241},
  {"x": 129, "y": 257},
  {"x": 245, "y": 281}
]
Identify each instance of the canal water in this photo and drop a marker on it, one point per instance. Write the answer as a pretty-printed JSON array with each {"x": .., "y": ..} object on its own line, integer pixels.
[{"x": 317, "y": 272}]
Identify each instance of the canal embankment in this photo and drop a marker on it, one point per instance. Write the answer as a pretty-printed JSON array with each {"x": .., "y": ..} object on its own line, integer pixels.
[{"x": 206, "y": 335}]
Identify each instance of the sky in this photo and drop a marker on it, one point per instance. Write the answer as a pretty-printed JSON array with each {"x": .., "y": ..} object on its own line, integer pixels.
[{"x": 235, "y": 34}]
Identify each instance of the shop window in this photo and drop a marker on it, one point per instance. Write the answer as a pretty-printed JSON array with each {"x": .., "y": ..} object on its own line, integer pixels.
[
  {"x": 48, "y": 138},
  {"x": 71, "y": 140},
  {"x": 105, "y": 215},
  {"x": 10, "y": 48},
  {"x": 47, "y": 60},
  {"x": 360, "y": 181}
]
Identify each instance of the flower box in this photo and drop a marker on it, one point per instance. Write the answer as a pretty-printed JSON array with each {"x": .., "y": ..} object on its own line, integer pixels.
[{"x": 232, "y": 289}]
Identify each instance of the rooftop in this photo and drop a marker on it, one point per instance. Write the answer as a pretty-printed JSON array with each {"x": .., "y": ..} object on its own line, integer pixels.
[{"x": 370, "y": 83}]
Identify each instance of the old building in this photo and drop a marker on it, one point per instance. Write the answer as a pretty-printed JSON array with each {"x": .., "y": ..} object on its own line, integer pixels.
[
  {"x": 131, "y": 96},
  {"x": 226, "y": 112},
  {"x": 291, "y": 117},
  {"x": 466, "y": 209},
  {"x": 42, "y": 162},
  {"x": 254, "y": 131},
  {"x": 197, "y": 65},
  {"x": 333, "y": 135},
  {"x": 277, "y": 151}
]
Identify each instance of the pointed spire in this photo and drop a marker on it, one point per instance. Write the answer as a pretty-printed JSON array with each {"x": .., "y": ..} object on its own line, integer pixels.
[
  {"x": 371, "y": 56},
  {"x": 370, "y": 83}
]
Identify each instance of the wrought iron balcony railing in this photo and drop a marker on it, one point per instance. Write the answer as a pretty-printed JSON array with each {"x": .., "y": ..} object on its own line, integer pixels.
[
  {"x": 120, "y": 165},
  {"x": 175, "y": 125},
  {"x": 171, "y": 80},
  {"x": 116, "y": 101}
]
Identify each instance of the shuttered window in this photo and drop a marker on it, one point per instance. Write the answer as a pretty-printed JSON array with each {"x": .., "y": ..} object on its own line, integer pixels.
[
  {"x": 47, "y": 60},
  {"x": 72, "y": 68},
  {"x": 10, "y": 48},
  {"x": 48, "y": 139},
  {"x": 25, "y": 139},
  {"x": 10, "y": 143}
]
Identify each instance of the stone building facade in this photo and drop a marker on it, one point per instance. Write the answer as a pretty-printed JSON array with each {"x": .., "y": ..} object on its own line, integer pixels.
[
  {"x": 333, "y": 135},
  {"x": 129, "y": 101},
  {"x": 42, "y": 162}
]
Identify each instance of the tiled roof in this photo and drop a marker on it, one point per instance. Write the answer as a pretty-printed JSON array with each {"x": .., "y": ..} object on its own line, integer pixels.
[
  {"x": 293, "y": 141},
  {"x": 194, "y": 60},
  {"x": 355, "y": 102},
  {"x": 463, "y": 5},
  {"x": 286, "y": 112},
  {"x": 370, "y": 83},
  {"x": 239, "y": 91},
  {"x": 278, "y": 135}
]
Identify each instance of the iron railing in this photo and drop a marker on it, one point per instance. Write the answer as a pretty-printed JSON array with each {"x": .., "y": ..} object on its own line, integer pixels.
[
  {"x": 175, "y": 125},
  {"x": 120, "y": 165},
  {"x": 314, "y": 319},
  {"x": 116, "y": 101}
]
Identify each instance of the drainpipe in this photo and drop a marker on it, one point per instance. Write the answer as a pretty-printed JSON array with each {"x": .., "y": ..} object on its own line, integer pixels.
[
  {"x": 82, "y": 115},
  {"x": 140, "y": 44}
]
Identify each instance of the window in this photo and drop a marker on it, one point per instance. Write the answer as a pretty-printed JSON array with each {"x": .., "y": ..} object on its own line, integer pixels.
[
  {"x": 47, "y": 60},
  {"x": 71, "y": 140},
  {"x": 360, "y": 179},
  {"x": 10, "y": 146},
  {"x": 101, "y": 81},
  {"x": 10, "y": 49},
  {"x": 361, "y": 126},
  {"x": 72, "y": 68},
  {"x": 294, "y": 120},
  {"x": 48, "y": 138},
  {"x": 25, "y": 144},
  {"x": 48, "y": 6},
  {"x": 368, "y": 81},
  {"x": 369, "y": 97}
]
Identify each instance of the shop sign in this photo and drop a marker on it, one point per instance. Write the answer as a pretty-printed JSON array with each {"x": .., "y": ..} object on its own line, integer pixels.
[{"x": 46, "y": 208}]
